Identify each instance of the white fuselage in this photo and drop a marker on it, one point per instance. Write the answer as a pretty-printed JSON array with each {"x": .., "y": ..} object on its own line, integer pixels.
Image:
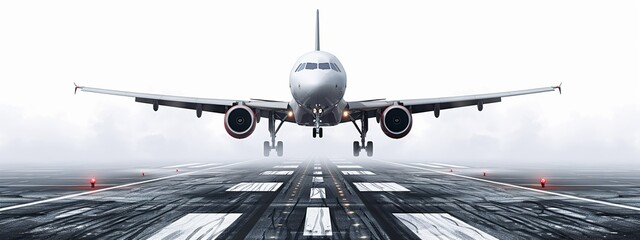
[{"x": 318, "y": 82}]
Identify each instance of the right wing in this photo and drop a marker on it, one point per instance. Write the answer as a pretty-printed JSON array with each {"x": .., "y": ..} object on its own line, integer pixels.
[
  {"x": 198, "y": 104},
  {"x": 373, "y": 108}
]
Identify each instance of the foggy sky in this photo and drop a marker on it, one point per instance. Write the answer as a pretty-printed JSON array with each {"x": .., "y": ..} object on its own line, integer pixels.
[{"x": 398, "y": 51}]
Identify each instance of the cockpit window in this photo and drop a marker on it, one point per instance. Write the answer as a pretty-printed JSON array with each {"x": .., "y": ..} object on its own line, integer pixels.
[
  {"x": 311, "y": 66},
  {"x": 335, "y": 67},
  {"x": 300, "y": 67},
  {"x": 324, "y": 66}
]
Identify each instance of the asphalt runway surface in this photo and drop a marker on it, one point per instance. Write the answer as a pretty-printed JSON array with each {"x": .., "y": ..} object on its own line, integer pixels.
[{"x": 319, "y": 198}]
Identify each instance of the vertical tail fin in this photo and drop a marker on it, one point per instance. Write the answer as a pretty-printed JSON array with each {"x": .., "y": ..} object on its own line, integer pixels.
[{"x": 317, "y": 30}]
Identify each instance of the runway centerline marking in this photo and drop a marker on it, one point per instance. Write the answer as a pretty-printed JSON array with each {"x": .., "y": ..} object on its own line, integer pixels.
[
  {"x": 317, "y": 180},
  {"x": 317, "y": 193},
  {"x": 111, "y": 188},
  {"x": 521, "y": 187},
  {"x": 317, "y": 222}
]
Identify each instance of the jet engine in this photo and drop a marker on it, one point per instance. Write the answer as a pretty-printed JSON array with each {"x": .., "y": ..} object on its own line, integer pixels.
[
  {"x": 239, "y": 121},
  {"x": 396, "y": 121}
]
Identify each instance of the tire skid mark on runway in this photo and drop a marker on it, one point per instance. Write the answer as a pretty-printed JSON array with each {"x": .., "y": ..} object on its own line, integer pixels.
[
  {"x": 521, "y": 187},
  {"x": 111, "y": 188}
]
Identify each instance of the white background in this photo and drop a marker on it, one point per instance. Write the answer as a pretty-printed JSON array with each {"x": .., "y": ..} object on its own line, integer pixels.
[{"x": 245, "y": 49}]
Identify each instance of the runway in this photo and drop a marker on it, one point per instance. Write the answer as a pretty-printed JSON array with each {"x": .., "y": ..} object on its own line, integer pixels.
[{"x": 319, "y": 198}]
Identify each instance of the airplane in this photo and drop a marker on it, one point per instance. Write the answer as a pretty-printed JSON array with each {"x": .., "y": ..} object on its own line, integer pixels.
[{"x": 318, "y": 82}]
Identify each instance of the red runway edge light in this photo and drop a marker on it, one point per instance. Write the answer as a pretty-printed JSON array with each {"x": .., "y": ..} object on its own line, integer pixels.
[
  {"x": 93, "y": 182},
  {"x": 543, "y": 181}
]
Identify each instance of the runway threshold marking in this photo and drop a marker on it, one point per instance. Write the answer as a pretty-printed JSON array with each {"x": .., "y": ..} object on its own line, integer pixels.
[
  {"x": 379, "y": 187},
  {"x": 255, "y": 187},
  {"x": 521, "y": 187},
  {"x": 440, "y": 226},
  {"x": 198, "y": 226},
  {"x": 358, "y": 173},
  {"x": 111, "y": 188}
]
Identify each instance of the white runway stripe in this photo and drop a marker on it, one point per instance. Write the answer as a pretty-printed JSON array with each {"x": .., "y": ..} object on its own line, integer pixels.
[
  {"x": 449, "y": 165},
  {"x": 317, "y": 180},
  {"x": 317, "y": 222},
  {"x": 286, "y": 166},
  {"x": 380, "y": 187},
  {"x": 205, "y": 165},
  {"x": 349, "y": 166},
  {"x": 440, "y": 226},
  {"x": 317, "y": 193},
  {"x": 317, "y": 168},
  {"x": 277, "y": 173},
  {"x": 110, "y": 188},
  {"x": 429, "y": 165},
  {"x": 73, "y": 212},
  {"x": 521, "y": 187},
  {"x": 317, "y": 172},
  {"x": 358, "y": 173},
  {"x": 198, "y": 226},
  {"x": 255, "y": 187},
  {"x": 181, "y": 165}
]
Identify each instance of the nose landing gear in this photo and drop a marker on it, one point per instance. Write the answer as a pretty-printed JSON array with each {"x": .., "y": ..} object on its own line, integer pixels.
[{"x": 317, "y": 130}]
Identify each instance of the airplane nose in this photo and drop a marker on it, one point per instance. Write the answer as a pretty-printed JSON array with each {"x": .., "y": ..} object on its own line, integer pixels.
[{"x": 317, "y": 89}]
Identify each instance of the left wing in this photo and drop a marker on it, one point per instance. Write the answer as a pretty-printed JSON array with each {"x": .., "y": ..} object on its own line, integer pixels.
[
  {"x": 373, "y": 108},
  {"x": 264, "y": 107}
]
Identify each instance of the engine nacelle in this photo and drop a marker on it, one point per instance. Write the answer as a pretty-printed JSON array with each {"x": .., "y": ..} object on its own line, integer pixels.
[
  {"x": 239, "y": 121},
  {"x": 396, "y": 121}
]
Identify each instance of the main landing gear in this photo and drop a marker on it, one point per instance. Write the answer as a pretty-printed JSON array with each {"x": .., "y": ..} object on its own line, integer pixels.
[
  {"x": 273, "y": 131},
  {"x": 358, "y": 146}
]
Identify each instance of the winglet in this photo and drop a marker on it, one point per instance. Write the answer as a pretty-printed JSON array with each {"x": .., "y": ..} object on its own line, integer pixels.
[
  {"x": 559, "y": 87},
  {"x": 76, "y": 89},
  {"x": 317, "y": 30}
]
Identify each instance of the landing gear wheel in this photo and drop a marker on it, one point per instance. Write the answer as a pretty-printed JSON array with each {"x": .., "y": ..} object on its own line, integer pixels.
[
  {"x": 320, "y": 132},
  {"x": 279, "y": 149},
  {"x": 314, "y": 132},
  {"x": 369, "y": 148},
  {"x": 356, "y": 148},
  {"x": 267, "y": 148}
]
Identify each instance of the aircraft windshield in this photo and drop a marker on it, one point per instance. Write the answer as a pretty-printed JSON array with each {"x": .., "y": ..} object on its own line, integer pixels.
[
  {"x": 324, "y": 66},
  {"x": 311, "y": 66},
  {"x": 321, "y": 66}
]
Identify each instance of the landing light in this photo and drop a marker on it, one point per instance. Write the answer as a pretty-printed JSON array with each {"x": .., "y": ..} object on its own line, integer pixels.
[
  {"x": 345, "y": 113},
  {"x": 290, "y": 114}
]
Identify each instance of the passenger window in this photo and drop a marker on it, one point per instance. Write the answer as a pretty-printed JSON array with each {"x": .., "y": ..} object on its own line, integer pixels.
[
  {"x": 300, "y": 67},
  {"x": 335, "y": 67},
  {"x": 311, "y": 66},
  {"x": 324, "y": 66}
]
